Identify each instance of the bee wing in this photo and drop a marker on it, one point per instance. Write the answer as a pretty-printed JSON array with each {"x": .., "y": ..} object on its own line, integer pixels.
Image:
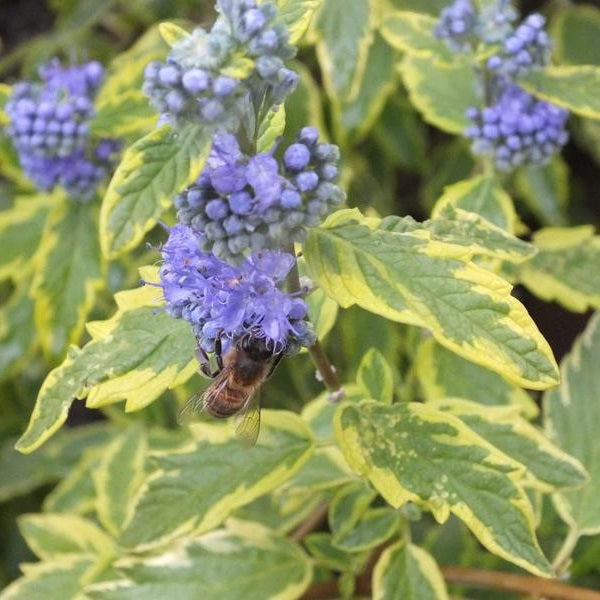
[
  {"x": 249, "y": 422},
  {"x": 192, "y": 408}
]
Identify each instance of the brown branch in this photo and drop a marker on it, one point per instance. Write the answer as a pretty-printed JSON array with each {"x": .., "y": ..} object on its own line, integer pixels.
[
  {"x": 526, "y": 585},
  {"x": 313, "y": 521},
  {"x": 520, "y": 584}
]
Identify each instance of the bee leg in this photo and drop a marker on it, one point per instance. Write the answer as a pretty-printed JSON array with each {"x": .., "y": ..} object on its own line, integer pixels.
[
  {"x": 274, "y": 364},
  {"x": 219, "y": 353},
  {"x": 204, "y": 362}
]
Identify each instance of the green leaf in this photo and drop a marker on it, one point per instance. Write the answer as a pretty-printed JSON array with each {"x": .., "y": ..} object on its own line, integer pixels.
[
  {"x": 270, "y": 129},
  {"x": 545, "y": 189},
  {"x": 375, "y": 377},
  {"x": 324, "y": 470},
  {"x": 172, "y": 33},
  {"x": 325, "y": 554},
  {"x": 412, "y": 452},
  {"x": 548, "y": 467},
  {"x": 575, "y": 88},
  {"x": 279, "y": 511},
  {"x": 318, "y": 413},
  {"x": 51, "y": 536},
  {"x": 575, "y": 31},
  {"x": 20, "y": 474},
  {"x": 344, "y": 32},
  {"x": 571, "y": 417},
  {"x": 442, "y": 93},
  {"x": 151, "y": 173},
  {"x": 75, "y": 493},
  {"x": 118, "y": 477},
  {"x": 21, "y": 229},
  {"x": 444, "y": 374},
  {"x": 134, "y": 356},
  {"x": 412, "y": 33},
  {"x": 322, "y": 312},
  {"x": 465, "y": 230},
  {"x": 482, "y": 195},
  {"x": 410, "y": 277},
  {"x": 303, "y": 105},
  {"x": 126, "y": 70},
  {"x": 296, "y": 16},
  {"x": 362, "y": 112},
  {"x": 5, "y": 91},
  {"x": 407, "y": 571},
  {"x": 60, "y": 579},
  {"x": 196, "y": 489},
  {"x": 18, "y": 335},
  {"x": 374, "y": 528},
  {"x": 347, "y": 507},
  {"x": 68, "y": 276},
  {"x": 566, "y": 267},
  {"x": 126, "y": 114},
  {"x": 243, "y": 562}
]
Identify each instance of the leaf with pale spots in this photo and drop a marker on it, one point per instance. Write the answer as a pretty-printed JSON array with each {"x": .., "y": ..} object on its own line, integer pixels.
[
  {"x": 548, "y": 467},
  {"x": 245, "y": 561},
  {"x": 407, "y": 571},
  {"x": 426, "y": 275},
  {"x": 571, "y": 417},
  {"x": 411, "y": 452},
  {"x": 134, "y": 356}
]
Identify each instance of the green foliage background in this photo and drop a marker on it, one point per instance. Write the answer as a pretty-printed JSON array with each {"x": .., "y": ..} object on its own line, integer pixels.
[{"x": 460, "y": 441}]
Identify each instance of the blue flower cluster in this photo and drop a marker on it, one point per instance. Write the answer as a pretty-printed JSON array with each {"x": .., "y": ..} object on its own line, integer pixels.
[
  {"x": 517, "y": 129},
  {"x": 514, "y": 128},
  {"x": 462, "y": 24},
  {"x": 224, "y": 269},
  {"x": 205, "y": 80},
  {"x": 50, "y": 131},
  {"x": 242, "y": 202},
  {"x": 457, "y": 24},
  {"x": 227, "y": 301},
  {"x": 527, "y": 48}
]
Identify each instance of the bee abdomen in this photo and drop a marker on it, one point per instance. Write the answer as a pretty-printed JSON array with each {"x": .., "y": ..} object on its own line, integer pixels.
[{"x": 225, "y": 404}]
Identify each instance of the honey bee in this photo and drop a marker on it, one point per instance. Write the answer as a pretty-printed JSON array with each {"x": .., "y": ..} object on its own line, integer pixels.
[{"x": 240, "y": 373}]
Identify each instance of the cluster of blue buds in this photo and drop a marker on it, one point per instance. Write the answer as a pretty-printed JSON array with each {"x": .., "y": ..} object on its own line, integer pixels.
[
  {"x": 49, "y": 127},
  {"x": 517, "y": 129},
  {"x": 527, "y": 48},
  {"x": 226, "y": 263},
  {"x": 457, "y": 24},
  {"x": 226, "y": 301},
  {"x": 205, "y": 80},
  {"x": 514, "y": 128},
  {"x": 242, "y": 202}
]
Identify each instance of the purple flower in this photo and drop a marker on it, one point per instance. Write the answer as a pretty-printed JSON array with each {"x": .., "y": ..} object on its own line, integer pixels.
[
  {"x": 225, "y": 301},
  {"x": 241, "y": 203},
  {"x": 517, "y": 129}
]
